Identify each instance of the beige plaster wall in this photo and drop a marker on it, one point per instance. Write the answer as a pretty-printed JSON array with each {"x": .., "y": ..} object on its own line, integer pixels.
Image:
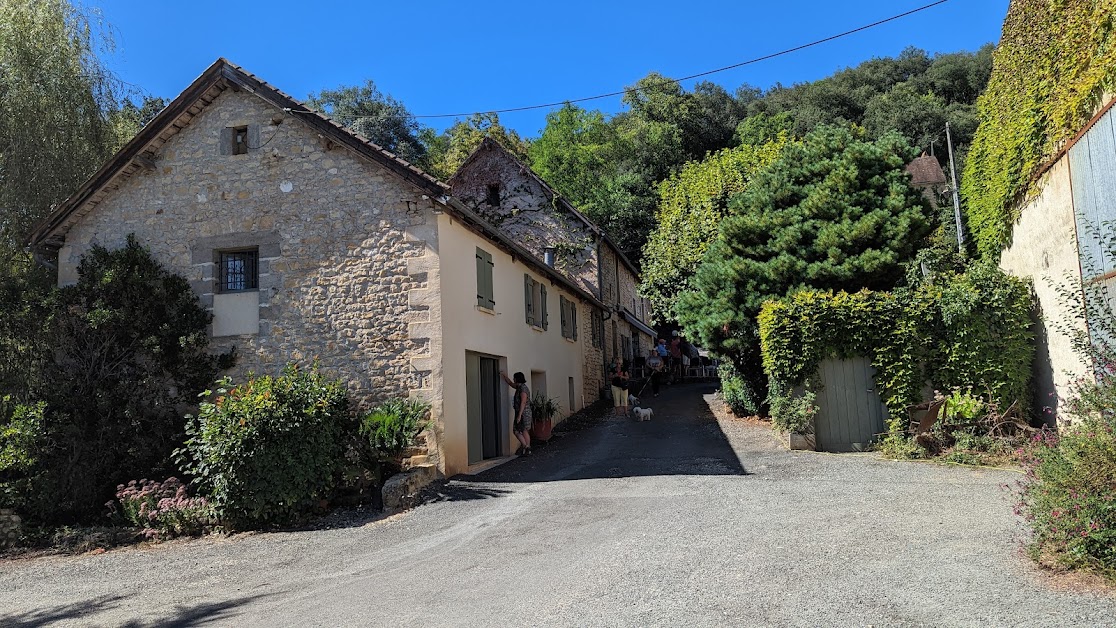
[
  {"x": 502, "y": 333},
  {"x": 1044, "y": 250}
]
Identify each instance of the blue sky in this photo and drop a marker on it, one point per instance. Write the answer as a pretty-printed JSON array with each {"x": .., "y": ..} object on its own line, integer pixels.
[{"x": 450, "y": 57}]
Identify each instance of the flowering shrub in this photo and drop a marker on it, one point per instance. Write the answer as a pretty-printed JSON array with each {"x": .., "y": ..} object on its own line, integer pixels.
[
  {"x": 162, "y": 508},
  {"x": 268, "y": 450},
  {"x": 1068, "y": 495}
]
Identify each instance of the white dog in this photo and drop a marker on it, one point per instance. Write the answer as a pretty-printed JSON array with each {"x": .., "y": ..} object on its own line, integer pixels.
[
  {"x": 632, "y": 400},
  {"x": 643, "y": 414}
]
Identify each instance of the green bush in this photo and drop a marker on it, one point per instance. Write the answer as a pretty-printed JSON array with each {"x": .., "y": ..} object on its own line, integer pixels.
[
  {"x": 956, "y": 330},
  {"x": 392, "y": 427},
  {"x": 737, "y": 392},
  {"x": 1069, "y": 495},
  {"x": 790, "y": 413},
  {"x": 265, "y": 451},
  {"x": 126, "y": 354}
]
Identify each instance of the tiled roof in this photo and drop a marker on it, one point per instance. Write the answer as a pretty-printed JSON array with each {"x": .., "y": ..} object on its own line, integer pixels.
[{"x": 926, "y": 170}]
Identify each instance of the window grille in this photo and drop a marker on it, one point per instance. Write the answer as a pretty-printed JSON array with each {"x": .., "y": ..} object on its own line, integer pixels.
[{"x": 238, "y": 271}]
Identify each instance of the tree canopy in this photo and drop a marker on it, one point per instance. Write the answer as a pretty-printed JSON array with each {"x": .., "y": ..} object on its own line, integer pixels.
[
  {"x": 378, "y": 117},
  {"x": 692, "y": 203},
  {"x": 834, "y": 211},
  {"x": 59, "y": 110}
]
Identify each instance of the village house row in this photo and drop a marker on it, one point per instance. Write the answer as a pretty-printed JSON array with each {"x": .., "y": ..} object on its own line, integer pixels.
[{"x": 308, "y": 242}]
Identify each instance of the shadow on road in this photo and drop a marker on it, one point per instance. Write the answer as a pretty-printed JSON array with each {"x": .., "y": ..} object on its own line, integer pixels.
[
  {"x": 183, "y": 616},
  {"x": 683, "y": 438}
]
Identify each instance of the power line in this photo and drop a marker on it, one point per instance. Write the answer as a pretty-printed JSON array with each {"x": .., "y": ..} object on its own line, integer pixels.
[{"x": 700, "y": 74}]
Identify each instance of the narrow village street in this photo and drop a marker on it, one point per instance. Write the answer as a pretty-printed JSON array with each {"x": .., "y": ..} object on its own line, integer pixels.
[{"x": 677, "y": 521}]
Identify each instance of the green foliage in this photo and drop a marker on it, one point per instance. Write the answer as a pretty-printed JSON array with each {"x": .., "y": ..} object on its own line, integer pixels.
[
  {"x": 57, "y": 101},
  {"x": 544, "y": 408},
  {"x": 832, "y": 212},
  {"x": 392, "y": 427},
  {"x": 963, "y": 406},
  {"x": 969, "y": 330},
  {"x": 127, "y": 352},
  {"x": 264, "y": 451},
  {"x": 794, "y": 413},
  {"x": 1054, "y": 62},
  {"x": 379, "y": 117},
  {"x": 1068, "y": 495},
  {"x": 738, "y": 392},
  {"x": 692, "y": 204},
  {"x": 575, "y": 147},
  {"x": 448, "y": 150}
]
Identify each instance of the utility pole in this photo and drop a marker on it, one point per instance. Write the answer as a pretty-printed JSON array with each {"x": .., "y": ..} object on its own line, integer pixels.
[{"x": 956, "y": 196}]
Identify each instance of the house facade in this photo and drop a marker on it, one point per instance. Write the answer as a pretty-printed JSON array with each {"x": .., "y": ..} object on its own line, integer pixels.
[
  {"x": 498, "y": 186},
  {"x": 309, "y": 243},
  {"x": 1059, "y": 243}
]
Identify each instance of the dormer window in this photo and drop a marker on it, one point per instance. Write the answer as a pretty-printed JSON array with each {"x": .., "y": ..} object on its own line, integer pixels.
[{"x": 492, "y": 199}]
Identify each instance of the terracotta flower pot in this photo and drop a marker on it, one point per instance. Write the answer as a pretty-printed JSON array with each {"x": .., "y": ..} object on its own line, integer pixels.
[{"x": 540, "y": 429}]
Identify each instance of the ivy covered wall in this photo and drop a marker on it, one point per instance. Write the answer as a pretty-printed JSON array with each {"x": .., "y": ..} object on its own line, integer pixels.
[{"x": 1055, "y": 61}]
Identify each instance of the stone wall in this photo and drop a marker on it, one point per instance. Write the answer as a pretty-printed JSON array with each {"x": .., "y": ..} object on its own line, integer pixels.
[
  {"x": 593, "y": 379},
  {"x": 527, "y": 215},
  {"x": 346, "y": 248}
]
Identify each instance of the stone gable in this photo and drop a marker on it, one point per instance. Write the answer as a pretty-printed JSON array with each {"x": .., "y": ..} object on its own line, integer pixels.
[
  {"x": 524, "y": 211},
  {"x": 346, "y": 261}
]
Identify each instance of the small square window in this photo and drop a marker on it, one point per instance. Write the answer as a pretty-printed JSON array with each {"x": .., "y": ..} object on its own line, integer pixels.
[
  {"x": 239, "y": 140},
  {"x": 238, "y": 271},
  {"x": 492, "y": 198}
]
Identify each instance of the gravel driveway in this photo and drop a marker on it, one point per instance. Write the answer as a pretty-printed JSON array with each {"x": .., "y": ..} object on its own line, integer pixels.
[{"x": 679, "y": 521}]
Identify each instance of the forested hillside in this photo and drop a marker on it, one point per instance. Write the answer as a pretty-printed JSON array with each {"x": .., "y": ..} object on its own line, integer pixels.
[{"x": 611, "y": 166}]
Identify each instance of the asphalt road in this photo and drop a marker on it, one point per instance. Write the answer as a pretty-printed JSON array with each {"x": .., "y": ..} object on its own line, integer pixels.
[{"x": 679, "y": 521}]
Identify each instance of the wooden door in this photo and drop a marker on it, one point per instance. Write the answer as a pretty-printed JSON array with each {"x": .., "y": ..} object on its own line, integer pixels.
[
  {"x": 850, "y": 414},
  {"x": 482, "y": 384}
]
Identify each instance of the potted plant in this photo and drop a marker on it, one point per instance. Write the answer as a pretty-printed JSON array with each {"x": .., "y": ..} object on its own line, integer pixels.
[
  {"x": 794, "y": 416},
  {"x": 543, "y": 409}
]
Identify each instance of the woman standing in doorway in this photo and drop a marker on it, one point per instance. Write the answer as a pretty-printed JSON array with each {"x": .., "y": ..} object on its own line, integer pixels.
[{"x": 521, "y": 407}]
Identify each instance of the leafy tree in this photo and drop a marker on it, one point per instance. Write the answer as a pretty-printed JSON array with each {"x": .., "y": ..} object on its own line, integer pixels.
[
  {"x": 692, "y": 204},
  {"x": 56, "y": 100},
  {"x": 448, "y": 150},
  {"x": 835, "y": 211},
  {"x": 575, "y": 147},
  {"x": 127, "y": 357},
  {"x": 379, "y": 117}
]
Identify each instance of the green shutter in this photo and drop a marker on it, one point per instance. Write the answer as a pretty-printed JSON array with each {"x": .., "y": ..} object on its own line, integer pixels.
[
  {"x": 573, "y": 320},
  {"x": 542, "y": 297},
  {"x": 484, "y": 279},
  {"x": 491, "y": 290},
  {"x": 482, "y": 298},
  {"x": 527, "y": 299},
  {"x": 562, "y": 308}
]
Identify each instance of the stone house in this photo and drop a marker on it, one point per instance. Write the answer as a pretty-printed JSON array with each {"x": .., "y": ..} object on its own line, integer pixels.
[
  {"x": 308, "y": 242},
  {"x": 496, "y": 185},
  {"x": 1057, "y": 241}
]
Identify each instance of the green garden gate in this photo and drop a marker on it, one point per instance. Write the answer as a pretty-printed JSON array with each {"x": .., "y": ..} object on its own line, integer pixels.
[{"x": 850, "y": 414}]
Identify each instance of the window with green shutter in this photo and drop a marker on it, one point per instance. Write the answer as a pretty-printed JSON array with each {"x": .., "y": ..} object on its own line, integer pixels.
[
  {"x": 534, "y": 302},
  {"x": 485, "y": 297},
  {"x": 569, "y": 318}
]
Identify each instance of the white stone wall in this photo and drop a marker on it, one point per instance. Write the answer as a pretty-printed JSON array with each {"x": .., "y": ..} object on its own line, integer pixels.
[
  {"x": 1044, "y": 250},
  {"x": 348, "y": 251}
]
